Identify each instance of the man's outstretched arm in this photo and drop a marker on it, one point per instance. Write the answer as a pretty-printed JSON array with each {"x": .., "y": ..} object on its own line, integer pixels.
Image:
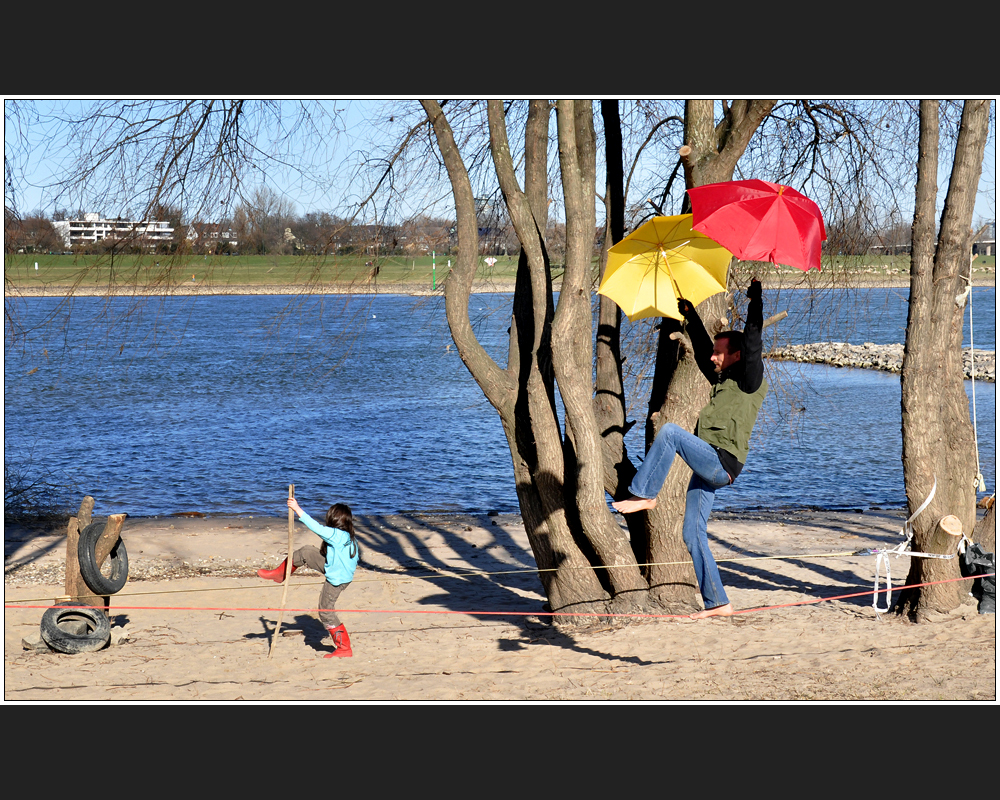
[
  {"x": 700, "y": 340},
  {"x": 753, "y": 362}
]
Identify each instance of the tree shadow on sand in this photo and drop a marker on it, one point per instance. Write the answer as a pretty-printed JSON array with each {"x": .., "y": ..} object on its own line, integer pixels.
[{"x": 484, "y": 572}]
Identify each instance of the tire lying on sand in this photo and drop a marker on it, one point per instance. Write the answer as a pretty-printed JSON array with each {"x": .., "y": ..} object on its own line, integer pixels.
[
  {"x": 75, "y": 630},
  {"x": 99, "y": 583}
]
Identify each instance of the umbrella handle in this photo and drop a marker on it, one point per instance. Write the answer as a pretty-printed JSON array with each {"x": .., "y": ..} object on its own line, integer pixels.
[{"x": 670, "y": 272}]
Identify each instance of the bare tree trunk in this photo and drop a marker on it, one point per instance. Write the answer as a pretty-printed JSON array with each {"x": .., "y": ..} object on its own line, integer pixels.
[
  {"x": 521, "y": 394},
  {"x": 609, "y": 397},
  {"x": 938, "y": 440},
  {"x": 679, "y": 389},
  {"x": 537, "y": 440},
  {"x": 573, "y": 355}
]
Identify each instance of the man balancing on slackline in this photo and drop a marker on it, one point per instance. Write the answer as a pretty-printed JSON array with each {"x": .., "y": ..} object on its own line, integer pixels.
[{"x": 718, "y": 449}]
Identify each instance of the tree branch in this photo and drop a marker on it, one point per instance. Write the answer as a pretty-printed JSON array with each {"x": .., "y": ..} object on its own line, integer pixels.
[{"x": 495, "y": 383}]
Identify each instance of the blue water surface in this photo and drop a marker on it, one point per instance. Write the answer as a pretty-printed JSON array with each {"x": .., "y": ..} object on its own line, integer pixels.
[{"x": 217, "y": 404}]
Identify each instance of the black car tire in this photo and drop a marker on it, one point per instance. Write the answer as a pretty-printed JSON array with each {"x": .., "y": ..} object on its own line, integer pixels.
[
  {"x": 97, "y": 582},
  {"x": 97, "y": 635}
]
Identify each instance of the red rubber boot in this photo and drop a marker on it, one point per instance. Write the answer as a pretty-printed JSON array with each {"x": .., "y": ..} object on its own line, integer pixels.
[
  {"x": 341, "y": 641},
  {"x": 277, "y": 574}
]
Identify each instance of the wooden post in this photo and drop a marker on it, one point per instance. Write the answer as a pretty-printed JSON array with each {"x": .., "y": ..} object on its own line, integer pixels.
[
  {"x": 288, "y": 568},
  {"x": 74, "y": 581},
  {"x": 76, "y": 588},
  {"x": 85, "y": 514}
]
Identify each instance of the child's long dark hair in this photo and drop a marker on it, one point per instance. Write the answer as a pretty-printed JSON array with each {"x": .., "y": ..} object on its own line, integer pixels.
[{"x": 340, "y": 516}]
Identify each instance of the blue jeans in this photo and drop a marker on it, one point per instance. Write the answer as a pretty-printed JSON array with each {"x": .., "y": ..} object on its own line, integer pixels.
[{"x": 709, "y": 475}]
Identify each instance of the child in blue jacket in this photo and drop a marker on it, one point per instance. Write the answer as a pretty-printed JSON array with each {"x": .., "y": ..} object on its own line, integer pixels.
[{"x": 337, "y": 559}]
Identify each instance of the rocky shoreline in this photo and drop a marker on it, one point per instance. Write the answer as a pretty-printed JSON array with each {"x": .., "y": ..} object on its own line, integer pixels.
[{"x": 885, "y": 357}]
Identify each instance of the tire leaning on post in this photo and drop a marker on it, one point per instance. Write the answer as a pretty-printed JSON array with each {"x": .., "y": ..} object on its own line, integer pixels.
[{"x": 97, "y": 582}]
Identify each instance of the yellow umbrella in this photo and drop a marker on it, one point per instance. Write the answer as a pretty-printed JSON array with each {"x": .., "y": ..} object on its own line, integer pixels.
[{"x": 661, "y": 260}]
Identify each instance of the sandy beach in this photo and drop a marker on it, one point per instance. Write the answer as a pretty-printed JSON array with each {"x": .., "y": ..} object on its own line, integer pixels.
[{"x": 447, "y": 608}]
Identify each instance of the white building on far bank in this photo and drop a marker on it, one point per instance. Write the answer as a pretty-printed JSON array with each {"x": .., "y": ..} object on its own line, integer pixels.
[{"x": 94, "y": 229}]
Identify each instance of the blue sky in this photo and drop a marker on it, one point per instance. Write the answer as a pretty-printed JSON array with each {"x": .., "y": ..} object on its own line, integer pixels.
[{"x": 334, "y": 159}]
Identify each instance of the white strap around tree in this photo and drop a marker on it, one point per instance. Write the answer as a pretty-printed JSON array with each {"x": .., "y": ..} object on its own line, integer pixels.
[{"x": 901, "y": 550}]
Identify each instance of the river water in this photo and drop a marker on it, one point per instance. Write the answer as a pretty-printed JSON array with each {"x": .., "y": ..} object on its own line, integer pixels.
[{"x": 216, "y": 404}]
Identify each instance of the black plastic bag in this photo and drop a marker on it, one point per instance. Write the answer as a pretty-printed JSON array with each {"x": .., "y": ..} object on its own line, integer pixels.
[{"x": 976, "y": 562}]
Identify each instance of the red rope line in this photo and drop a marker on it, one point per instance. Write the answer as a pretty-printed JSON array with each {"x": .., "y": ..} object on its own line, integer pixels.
[{"x": 512, "y": 613}]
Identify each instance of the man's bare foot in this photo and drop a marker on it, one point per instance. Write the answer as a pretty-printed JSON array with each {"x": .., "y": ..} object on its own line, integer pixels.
[
  {"x": 718, "y": 611},
  {"x": 633, "y": 504}
]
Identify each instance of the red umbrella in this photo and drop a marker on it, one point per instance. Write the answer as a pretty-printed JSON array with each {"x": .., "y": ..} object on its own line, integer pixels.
[{"x": 760, "y": 221}]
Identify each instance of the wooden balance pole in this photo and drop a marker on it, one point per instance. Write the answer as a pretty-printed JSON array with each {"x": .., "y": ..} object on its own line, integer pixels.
[{"x": 288, "y": 568}]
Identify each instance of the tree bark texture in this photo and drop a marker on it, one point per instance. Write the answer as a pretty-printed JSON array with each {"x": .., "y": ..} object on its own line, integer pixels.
[{"x": 938, "y": 440}]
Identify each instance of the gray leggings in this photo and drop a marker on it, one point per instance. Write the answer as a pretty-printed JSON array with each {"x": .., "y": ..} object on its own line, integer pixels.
[{"x": 311, "y": 557}]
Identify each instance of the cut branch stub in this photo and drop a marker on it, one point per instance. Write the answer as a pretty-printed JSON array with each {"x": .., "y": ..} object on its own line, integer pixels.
[
  {"x": 776, "y": 318},
  {"x": 946, "y": 536}
]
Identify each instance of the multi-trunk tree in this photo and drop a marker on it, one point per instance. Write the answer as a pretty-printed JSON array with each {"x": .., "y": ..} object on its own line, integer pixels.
[{"x": 564, "y": 469}]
